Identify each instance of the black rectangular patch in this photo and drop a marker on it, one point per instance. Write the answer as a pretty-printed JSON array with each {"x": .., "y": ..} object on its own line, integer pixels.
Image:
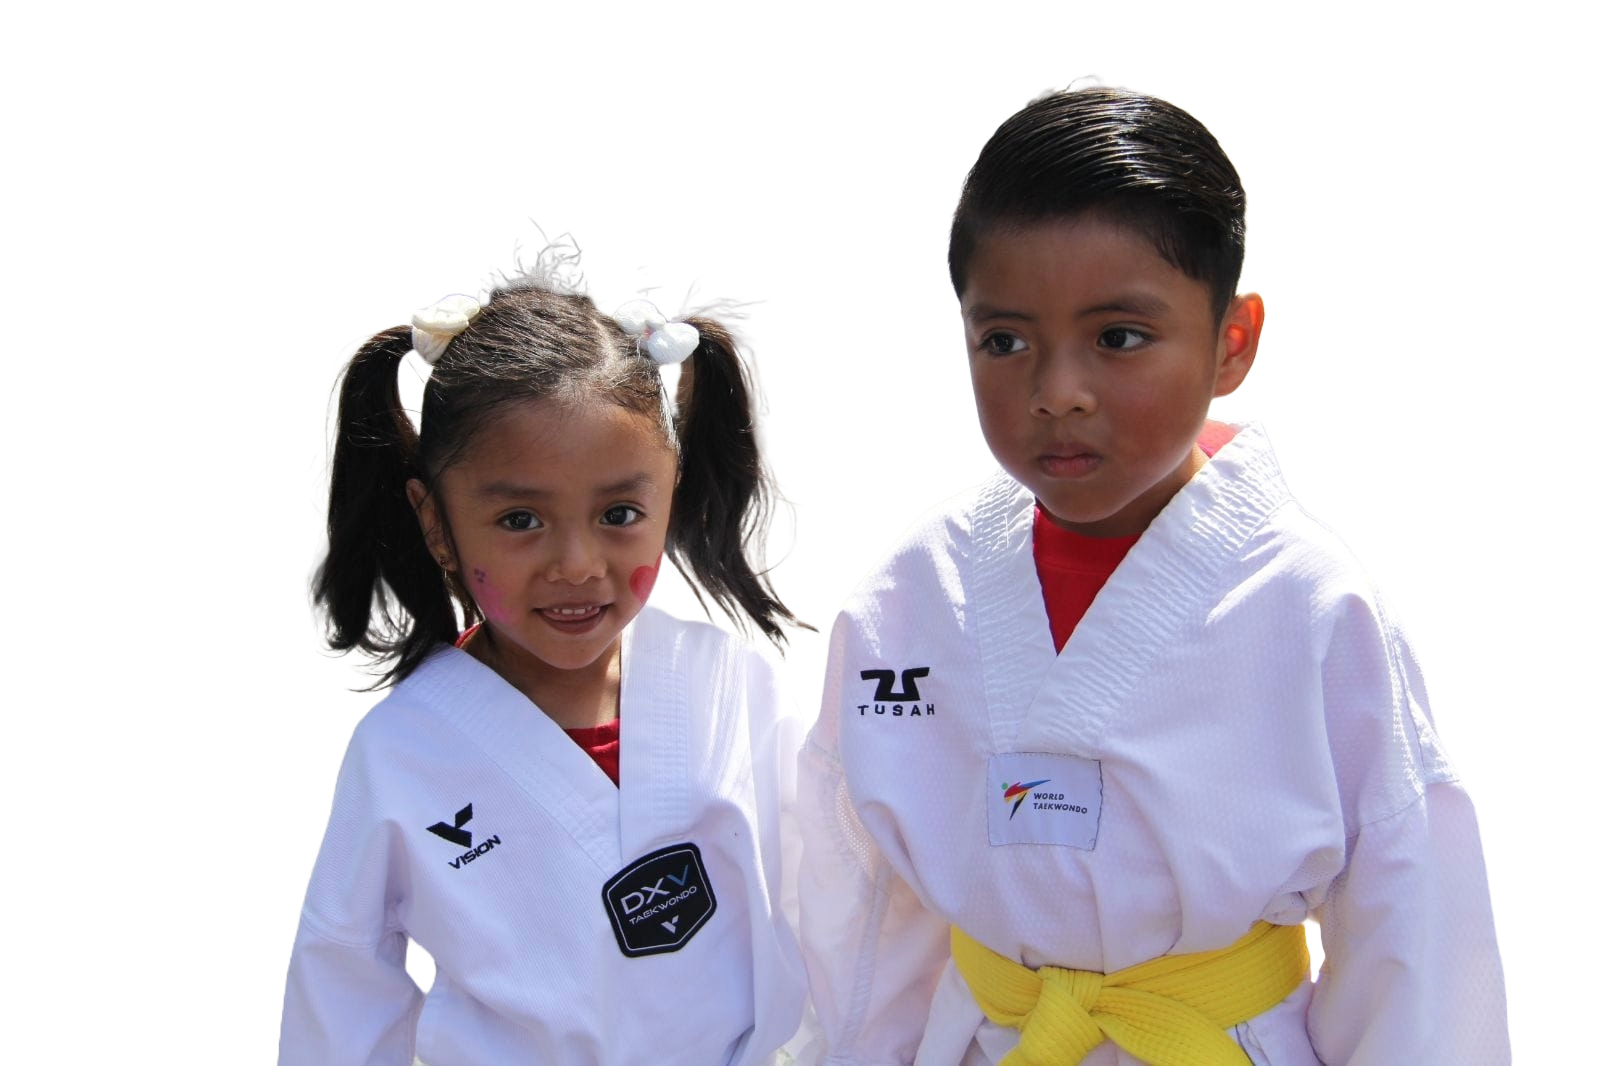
[{"x": 657, "y": 903}]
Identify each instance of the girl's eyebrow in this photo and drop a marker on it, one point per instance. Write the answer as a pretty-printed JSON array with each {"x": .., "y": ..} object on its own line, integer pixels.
[
  {"x": 513, "y": 490},
  {"x": 628, "y": 486}
]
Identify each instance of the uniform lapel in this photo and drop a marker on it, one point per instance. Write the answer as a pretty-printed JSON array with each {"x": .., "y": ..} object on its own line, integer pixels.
[
  {"x": 551, "y": 771},
  {"x": 656, "y": 771}
]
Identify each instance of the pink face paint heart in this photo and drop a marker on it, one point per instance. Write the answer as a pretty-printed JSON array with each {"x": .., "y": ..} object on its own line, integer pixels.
[{"x": 643, "y": 580}]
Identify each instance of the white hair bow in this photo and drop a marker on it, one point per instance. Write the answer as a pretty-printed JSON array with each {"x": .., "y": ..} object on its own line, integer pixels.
[
  {"x": 665, "y": 342},
  {"x": 433, "y": 328}
]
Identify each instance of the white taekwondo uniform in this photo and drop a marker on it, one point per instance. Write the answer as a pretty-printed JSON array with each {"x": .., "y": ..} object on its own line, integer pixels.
[
  {"x": 468, "y": 821},
  {"x": 1235, "y": 732}
]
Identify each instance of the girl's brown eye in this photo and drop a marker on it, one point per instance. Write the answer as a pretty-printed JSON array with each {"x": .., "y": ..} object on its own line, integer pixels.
[{"x": 520, "y": 520}]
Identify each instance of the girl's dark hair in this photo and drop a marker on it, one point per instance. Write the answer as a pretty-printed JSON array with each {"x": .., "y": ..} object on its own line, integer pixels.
[
  {"x": 1133, "y": 159},
  {"x": 380, "y": 588}
]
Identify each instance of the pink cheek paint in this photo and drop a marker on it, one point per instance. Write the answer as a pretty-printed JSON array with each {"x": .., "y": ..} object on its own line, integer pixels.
[
  {"x": 488, "y": 598},
  {"x": 643, "y": 580}
]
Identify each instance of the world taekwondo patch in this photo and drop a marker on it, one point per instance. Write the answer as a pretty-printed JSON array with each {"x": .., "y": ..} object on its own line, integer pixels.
[
  {"x": 1044, "y": 798},
  {"x": 659, "y": 902}
]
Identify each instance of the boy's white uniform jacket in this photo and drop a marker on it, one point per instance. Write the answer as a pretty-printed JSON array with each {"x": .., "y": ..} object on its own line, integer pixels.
[
  {"x": 1234, "y": 732},
  {"x": 467, "y": 821}
]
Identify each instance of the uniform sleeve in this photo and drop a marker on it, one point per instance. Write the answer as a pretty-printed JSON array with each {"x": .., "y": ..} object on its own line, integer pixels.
[
  {"x": 1412, "y": 971},
  {"x": 777, "y": 756},
  {"x": 873, "y": 953},
  {"x": 349, "y": 998},
  {"x": 348, "y": 1003}
]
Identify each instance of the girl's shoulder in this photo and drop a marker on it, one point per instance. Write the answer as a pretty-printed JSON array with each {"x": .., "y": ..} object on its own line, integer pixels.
[
  {"x": 415, "y": 709},
  {"x": 685, "y": 644}
]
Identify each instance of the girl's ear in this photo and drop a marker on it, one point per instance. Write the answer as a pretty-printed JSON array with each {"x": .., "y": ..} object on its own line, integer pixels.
[
  {"x": 427, "y": 516},
  {"x": 1237, "y": 341}
]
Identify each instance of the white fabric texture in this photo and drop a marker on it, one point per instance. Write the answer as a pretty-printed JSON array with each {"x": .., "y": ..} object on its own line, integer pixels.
[
  {"x": 1266, "y": 750},
  {"x": 528, "y": 967}
]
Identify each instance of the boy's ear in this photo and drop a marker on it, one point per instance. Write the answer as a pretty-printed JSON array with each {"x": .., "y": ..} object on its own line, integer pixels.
[
  {"x": 1237, "y": 341},
  {"x": 427, "y": 516}
]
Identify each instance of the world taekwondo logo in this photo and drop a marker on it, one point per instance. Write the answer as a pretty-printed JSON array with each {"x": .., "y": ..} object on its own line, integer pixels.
[{"x": 1019, "y": 791}]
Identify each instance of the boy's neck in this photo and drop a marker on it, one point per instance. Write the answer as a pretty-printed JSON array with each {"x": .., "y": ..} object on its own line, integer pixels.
[{"x": 1214, "y": 435}]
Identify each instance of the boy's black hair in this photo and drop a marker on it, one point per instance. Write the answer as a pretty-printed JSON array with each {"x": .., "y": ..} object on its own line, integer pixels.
[{"x": 1130, "y": 158}]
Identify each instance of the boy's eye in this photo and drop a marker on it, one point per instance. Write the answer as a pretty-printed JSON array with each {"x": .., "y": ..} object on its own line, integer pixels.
[
  {"x": 621, "y": 515},
  {"x": 1121, "y": 339},
  {"x": 520, "y": 520},
  {"x": 1003, "y": 344}
]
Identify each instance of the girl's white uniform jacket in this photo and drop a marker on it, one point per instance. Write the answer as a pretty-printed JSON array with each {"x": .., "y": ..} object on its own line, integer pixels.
[
  {"x": 467, "y": 821},
  {"x": 1234, "y": 732}
]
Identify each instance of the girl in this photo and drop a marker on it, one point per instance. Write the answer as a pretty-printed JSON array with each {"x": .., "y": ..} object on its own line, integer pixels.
[{"x": 573, "y": 806}]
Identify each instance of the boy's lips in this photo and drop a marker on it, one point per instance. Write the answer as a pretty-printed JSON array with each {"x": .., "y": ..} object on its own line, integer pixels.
[{"x": 1069, "y": 461}]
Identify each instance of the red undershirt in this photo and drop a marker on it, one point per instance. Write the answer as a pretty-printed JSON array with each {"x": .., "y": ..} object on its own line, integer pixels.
[
  {"x": 1072, "y": 567},
  {"x": 602, "y": 742}
]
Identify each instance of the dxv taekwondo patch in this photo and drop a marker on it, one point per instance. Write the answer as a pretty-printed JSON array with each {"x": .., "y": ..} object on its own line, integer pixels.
[{"x": 659, "y": 902}]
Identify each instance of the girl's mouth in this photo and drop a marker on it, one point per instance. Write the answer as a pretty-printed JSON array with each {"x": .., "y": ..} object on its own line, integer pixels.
[{"x": 573, "y": 619}]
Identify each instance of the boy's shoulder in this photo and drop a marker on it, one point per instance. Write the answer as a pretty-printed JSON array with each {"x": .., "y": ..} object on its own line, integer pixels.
[
  {"x": 1236, "y": 534},
  {"x": 938, "y": 545}
]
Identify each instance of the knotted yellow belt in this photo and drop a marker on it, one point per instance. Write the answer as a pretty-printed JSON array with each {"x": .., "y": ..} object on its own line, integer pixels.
[{"x": 1170, "y": 1011}]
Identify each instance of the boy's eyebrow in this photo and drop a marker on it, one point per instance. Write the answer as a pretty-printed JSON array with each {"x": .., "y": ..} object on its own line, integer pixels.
[
  {"x": 1130, "y": 304},
  {"x": 1144, "y": 306},
  {"x": 514, "y": 490},
  {"x": 983, "y": 312}
]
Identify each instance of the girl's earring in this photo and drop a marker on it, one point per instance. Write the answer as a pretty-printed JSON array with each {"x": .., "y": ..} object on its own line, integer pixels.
[{"x": 444, "y": 562}]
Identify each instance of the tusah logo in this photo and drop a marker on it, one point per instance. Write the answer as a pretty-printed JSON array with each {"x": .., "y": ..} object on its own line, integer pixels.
[
  {"x": 905, "y": 703},
  {"x": 462, "y": 838},
  {"x": 658, "y": 903}
]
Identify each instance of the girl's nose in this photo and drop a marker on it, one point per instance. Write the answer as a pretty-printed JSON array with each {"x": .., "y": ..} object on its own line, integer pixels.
[{"x": 577, "y": 559}]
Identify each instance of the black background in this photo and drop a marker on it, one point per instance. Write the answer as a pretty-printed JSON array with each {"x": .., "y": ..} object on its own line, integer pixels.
[{"x": 830, "y": 202}]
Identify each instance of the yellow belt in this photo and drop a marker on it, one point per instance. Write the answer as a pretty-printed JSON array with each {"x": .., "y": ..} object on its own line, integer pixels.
[{"x": 1170, "y": 1011}]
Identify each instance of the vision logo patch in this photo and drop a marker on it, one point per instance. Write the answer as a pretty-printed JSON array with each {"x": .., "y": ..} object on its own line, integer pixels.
[
  {"x": 462, "y": 838},
  {"x": 658, "y": 903}
]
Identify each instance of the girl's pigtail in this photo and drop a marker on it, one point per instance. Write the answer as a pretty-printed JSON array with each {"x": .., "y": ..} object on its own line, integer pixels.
[
  {"x": 723, "y": 492},
  {"x": 379, "y": 587}
]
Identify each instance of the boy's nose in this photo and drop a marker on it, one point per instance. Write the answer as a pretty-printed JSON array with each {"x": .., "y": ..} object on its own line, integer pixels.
[{"x": 1061, "y": 386}]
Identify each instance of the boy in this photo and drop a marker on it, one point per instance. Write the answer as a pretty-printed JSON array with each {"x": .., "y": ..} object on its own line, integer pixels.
[{"x": 1098, "y": 737}]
